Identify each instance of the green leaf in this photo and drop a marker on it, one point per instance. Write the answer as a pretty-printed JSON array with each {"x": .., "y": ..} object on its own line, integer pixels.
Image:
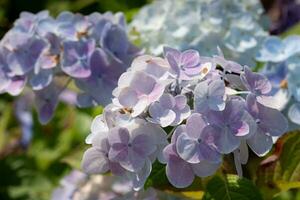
[
  {"x": 295, "y": 30},
  {"x": 5, "y": 115},
  {"x": 74, "y": 158},
  {"x": 290, "y": 159},
  {"x": 157, "y": 177},
  {"x": 231, "y": 187}
]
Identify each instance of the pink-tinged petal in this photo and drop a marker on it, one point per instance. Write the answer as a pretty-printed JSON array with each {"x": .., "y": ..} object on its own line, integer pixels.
[
  {"x": 156, "y": 93},
  {"x": 143, "y": 83},
  {"x": 180, "y": 101},
  {"x": 128, "y": 97},
  {"x": 194, "y": 125},
  {"x": 48, "y": 61},
  {"x": 240, "y": 128},
  {"x": 16, "y": 85},
  {"x": 77, "y": 70},
  {"x": 140, "y": 107},
  {"x": 174, "y": 52},
  {"x": 193, "y": 71},
  {"x": 190, "y": 58},
  {"x": 255, "y": 82},
  {"x": 94, "y": 161},
  {"x": 205, "y": 168},
  {"x": 179, "y": 173},
  {"x": 260, "y": 143}
]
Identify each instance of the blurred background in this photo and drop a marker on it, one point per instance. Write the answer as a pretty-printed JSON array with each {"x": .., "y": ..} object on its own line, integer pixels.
[{"x": 31, "y": 171}]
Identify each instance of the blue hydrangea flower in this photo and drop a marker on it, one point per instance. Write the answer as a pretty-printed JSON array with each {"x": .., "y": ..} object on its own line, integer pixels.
[
  {"x": 276, "y": 50},
  {"x": 234, "y": 26}
]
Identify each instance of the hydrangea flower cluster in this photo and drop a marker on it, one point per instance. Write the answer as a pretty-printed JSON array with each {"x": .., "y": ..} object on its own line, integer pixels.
[
  {"x": 186, "y": 111},
  {"x": 235, "y": 26},
  {"x": 282, "y": 58},
  {"x": 93, "y": 51}
]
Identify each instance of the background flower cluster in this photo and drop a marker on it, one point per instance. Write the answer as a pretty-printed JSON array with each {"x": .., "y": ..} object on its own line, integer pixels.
[{"x": 92, "y": 51}]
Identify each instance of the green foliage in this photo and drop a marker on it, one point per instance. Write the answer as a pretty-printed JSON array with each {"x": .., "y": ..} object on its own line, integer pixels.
[
  {"x": 295, "y": 30},
  {"x": 157, "y": 177},
  {"x": 231, "y": 187}
]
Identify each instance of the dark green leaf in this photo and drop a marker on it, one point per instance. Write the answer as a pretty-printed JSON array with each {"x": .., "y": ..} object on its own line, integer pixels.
[{"x": 231, "y": 187}]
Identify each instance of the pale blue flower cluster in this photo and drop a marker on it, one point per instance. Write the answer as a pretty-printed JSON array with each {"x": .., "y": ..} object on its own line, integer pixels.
[
  {"x": 282, "y": 67},
  {"x": 93, "y": 51},
  {"x": 233, "y": 25},
  {"x": 212, "y": 106}
]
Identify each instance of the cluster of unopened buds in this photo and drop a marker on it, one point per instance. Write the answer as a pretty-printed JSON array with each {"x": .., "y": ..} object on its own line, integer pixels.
[
  {"x": 186, "y": 111},
  {"x": 93, "y": 51}
]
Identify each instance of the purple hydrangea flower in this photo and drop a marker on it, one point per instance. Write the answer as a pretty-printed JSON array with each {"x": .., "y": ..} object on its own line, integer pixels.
[
  {"x": 169, "y": 110},
  {"x": 137, "y": 90},
  {"x": 46, "y": 101},
  {"x": 209, "y": 95},
  {"x": 76, "y": 58},
  {"x": 16, "y": 85},
  {"x": 181, "y": 173},
  {"x": 130, "y": 151},
  {"x": 154, "y": 66},
  {"x": 256, "y": 83},
  {"x": 196, "y": 141},
  {"x": 95, "y": 159},
  {"x": 270, "y": 122},
  {"x": 126, "y": 149},
  {"x": 23, "y": 51},
  {"x": 28, "y": 22},
  {"x": 231, "y": 125},
  {"x": 185, "y": 65}
]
